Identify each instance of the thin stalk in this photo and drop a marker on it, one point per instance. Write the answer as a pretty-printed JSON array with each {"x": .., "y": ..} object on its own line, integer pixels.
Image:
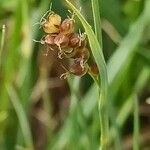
[
  {"x": 103, "y": 105},
  {"x": 104, "y": 122},
  {"x": 136, "y": 124}
]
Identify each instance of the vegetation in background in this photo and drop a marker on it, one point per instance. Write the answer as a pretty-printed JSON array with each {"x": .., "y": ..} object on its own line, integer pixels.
[{"x": 40, "y": 111}]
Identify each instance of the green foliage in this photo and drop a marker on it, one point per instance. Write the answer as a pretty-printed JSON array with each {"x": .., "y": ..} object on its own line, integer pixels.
[{"x": 122, "y": 82}]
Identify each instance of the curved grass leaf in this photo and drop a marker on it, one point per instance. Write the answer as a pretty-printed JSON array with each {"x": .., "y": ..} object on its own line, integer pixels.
[{"x": 99, "y": 58}]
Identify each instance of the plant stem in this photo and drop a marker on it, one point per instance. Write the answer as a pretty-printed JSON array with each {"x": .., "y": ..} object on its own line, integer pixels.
[
  {"x": 104, "y": 120},
  {"x": 103, "y": 104},
  {"x": 136, "y": 124},
  {"x": 96, "y": 50}
]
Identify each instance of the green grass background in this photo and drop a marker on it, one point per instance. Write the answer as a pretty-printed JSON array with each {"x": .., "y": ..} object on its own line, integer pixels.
[{"x": 125, "y": 43}]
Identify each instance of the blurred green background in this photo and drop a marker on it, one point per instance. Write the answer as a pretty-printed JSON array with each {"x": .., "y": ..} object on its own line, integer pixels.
[{"x": 39, "y": 111}]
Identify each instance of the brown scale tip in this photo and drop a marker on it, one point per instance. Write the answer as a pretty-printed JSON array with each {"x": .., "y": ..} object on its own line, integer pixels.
[
  {"x": 61, "y": 40},
  {"x": 94, "y": 69},
  {"x": 49, "y": 39},
  {"x": 82, "y": 53},
  {"x": 77, "y": 69},
  {"x": 67, "y": 26},
  {"x": 74, "y": 40}
]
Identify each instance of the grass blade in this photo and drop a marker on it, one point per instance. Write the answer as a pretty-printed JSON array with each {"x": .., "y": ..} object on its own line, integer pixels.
[
  {"x": 21, "y": 117},
  {"x": 97, "y": 20},
  {"x": 99, "y": 58}
]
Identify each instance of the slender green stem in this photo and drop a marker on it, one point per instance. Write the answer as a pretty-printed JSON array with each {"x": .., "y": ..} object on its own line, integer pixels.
[
  {"x": 136, "y": 124},
  {"x": 104, "y": 123},
  {"x": 103, "y": 106}
]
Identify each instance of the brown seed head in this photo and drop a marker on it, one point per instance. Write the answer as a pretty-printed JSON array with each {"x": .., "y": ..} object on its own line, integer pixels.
[{"x": 67, "y": 44}]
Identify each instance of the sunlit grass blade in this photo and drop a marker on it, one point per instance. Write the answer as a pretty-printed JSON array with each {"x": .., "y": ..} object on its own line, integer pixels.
[
  {"x": 98, "y": 55},
  {"x": 97, "y": 20},
  {"x": 98, "y": 32},
  {"x": 21, "y": 117}
]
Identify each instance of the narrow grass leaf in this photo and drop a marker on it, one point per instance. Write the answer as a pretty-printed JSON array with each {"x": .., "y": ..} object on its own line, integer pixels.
[
  {"x": 21, "y": 117},
  {"x": 97, "y": 20},
  {"x": 99, "y": 58}
]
